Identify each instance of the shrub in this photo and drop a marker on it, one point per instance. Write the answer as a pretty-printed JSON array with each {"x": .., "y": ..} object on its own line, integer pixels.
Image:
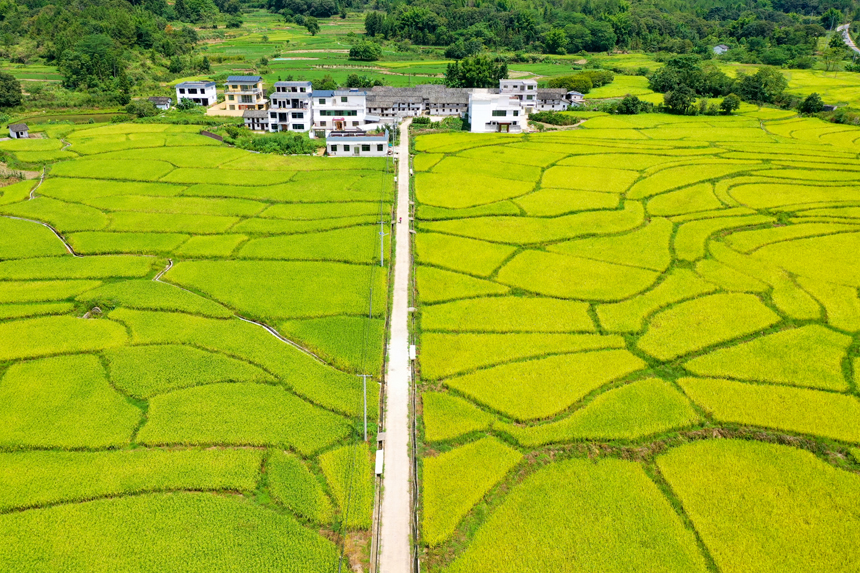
[
  {"x": 554, "y": 118},
  {"x": 365, "y": 51}
]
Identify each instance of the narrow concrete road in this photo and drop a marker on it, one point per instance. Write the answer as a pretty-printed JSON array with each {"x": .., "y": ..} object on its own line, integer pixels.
[
  {"x": 846, "y": 37},
  {"x": 395, "y": 532}
]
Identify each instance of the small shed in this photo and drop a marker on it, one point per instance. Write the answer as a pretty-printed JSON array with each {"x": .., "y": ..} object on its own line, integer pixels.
[
  {"x": 162, "y": 103},
  {"x": 256, "y": 119},
  {"x": 19, "y": 131},
  {"x": 720, "y": 49}
]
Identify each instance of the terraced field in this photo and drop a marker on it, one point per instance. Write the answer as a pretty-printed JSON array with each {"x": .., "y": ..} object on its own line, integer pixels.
[
  {"x": 639, "y": 346},
  {"x": 178, "y": 384}
]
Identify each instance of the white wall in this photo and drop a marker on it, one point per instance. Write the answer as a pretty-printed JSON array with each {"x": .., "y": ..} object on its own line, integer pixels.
[{"x": 336, "y": 148}]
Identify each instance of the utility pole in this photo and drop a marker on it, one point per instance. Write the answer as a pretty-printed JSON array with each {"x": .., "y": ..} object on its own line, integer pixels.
[
  {"x": 382, "y": 235},
  {"x": 364, "y": 389}
]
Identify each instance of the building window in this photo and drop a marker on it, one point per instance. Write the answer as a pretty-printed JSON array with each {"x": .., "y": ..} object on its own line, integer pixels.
[
  {"x": 232, "y": 107},
  {"x": 231, "y": 98},
  {"x": 530, "y": 98},
  {"x": 182, "y": 90},
  {"x": 322, "y": 102},
  {"x": 333, "y": 148},
  {"x": 302, "y": 90},
  {"x": 530, "y": 87},
  {"x": 516, "y": 113},
  {"x": 499, "y": 113},
  {"x": 379, "y": 147},
  {"x": 343, "y": 99},
  {"x": 298, "y": 115},
  {"x": 299, "y": 126},
  {"x": 346, "y": 147},
  {"x": 354, "y": 123},
  {"x": 273, "y": 116},
  {"x": 365, "y": 147},
  {"x": 322, "y": 124}
]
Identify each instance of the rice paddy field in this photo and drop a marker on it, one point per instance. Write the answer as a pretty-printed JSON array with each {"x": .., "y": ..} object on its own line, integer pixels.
[
  {"x": 639, "y": 346},
  {"x": 182, "y": 324}
]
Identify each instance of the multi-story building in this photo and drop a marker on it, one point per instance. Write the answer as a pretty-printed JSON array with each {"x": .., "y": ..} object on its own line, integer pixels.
[
  {"x": 490, "y": 111},
  {"x": 290, "y": 107},
  {"x": 552, "y": 99},
  {"x": 338, "y": 110},
  {"x": 523, "y": 90},
  {"x": 201, "y": 93},
  {"x": 245, "y": 92}
]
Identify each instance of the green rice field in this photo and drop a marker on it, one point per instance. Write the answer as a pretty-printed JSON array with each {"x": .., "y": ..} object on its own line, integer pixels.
[
  {"x": 149, "y": 421},
  {"x": 639, "y": 345}
]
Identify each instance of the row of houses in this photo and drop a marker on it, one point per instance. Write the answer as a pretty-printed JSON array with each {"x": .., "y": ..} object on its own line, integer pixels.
[{"x": 296, "y": 106}]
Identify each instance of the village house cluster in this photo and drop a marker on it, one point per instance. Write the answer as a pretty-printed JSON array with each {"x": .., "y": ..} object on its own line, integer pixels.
[{"x": 345, "y": 116}]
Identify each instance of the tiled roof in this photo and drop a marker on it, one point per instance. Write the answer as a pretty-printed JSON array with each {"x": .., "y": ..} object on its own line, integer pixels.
[
  {"x": 19, "y": 127},
  {"x": 244, "y": 79},
  {"x": 260, "y": 113}
]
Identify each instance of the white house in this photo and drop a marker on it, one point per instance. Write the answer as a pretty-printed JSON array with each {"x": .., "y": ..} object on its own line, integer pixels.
[
  {"x": 720, "y": 49},
  {"x": 575, "y": 98},
  {"x": 290, "y": 107},
  {"x": 552, "y": 99},
  {"x": 201, "y": 93},
  {"x": 356, "y": 144},
  {"x": 162, "y": 103},
  {"x": 523, "y": 90},
  {"x": 19, "y": 131},
  {"x": 338, "y": 110},
  {"x": 491, "y": 112}
]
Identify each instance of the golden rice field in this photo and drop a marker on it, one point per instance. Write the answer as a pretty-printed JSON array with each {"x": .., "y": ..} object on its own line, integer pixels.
[
  {"x": 178, "y": 386},
  {"x": 640, "y": 346}
]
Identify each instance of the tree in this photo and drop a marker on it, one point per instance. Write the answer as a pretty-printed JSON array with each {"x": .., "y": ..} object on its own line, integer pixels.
[
  {"x": 830, "y": 18},
  {"x": 812, "y": 104},
  {"x": 555, "y": 42},
  {"x": 764, "y": 86},
  {"x": 578, "y": 83},
  {"x": 680, "y": 99},
  {"x": 729, "y": 104},
  {"x": 142, "y": 108},
  {"x": 831, "y": 58},
  {"x": 10, "y": 90},
  {"x": 475, "y": 72},
  {"x": 205, "y": 66},
  {"x": 365, "y": 51},
  {"x": 631, "y": 105},
  {"x": 313, "y": 25},
  {"x": 175, "y": 65}
]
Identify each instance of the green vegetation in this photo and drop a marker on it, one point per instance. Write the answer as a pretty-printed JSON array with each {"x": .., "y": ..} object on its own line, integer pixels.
[
  {"x": 63, "y": 402},
  {"x": 747, "y": 500},
  {"x": 295, "y": 487},
  {"x": 702, "y": 322},
  {"x": 629, "y": 412},
  {"x": 447, "y": 416},
  {"x": 720, "y": 247},
  {"x": 455, "y": 481},
  {"x": 349, "y": 476},
  {"x": 796, "y": 410},
  {"x": 605, "y": 515},
  {"x": 226, "y": 532},
  {"x": 79, "y": 476},
  {"x": 161, "y": 390},
  {"x": 145, "y": 371},
  {"x": 544, "y": 387}
]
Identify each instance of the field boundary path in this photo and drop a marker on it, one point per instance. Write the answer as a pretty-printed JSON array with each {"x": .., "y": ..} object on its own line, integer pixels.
[
  {"x": 395, "y": 530},
  {"x": 846, "y": 37}
]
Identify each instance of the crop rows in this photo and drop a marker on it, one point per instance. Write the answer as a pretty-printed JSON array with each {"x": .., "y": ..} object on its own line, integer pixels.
[
  {"x": 146, "y": 422},
  {"x": 620, "y": 290}
]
